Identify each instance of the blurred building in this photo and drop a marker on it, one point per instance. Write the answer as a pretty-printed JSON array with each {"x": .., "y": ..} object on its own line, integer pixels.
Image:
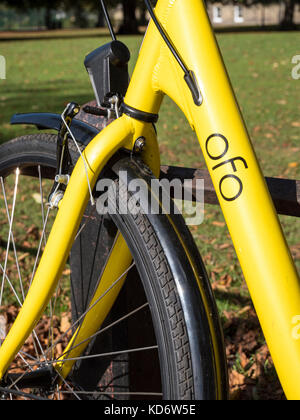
[
  {"x": 222, "y": 16},
  {"x": 256, "y": 15}
]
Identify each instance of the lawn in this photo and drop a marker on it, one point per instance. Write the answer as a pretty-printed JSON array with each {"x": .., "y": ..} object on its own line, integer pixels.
[{"x": 43, "y": 75}]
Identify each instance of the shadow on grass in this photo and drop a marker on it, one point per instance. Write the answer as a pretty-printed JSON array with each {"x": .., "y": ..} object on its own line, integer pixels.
[
  {"x": 232, "y": 297},
  {"x": 242, "y": 28},
  {"x": 38, "y": 35},
  {"x": 7, "y": 36},
  {"x": 252, "y": 375},
  {"x": 24, "y": 249}
]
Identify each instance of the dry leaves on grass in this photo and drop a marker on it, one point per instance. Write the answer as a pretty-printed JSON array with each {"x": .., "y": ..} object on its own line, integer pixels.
[
  {"x": 47, "y": 330},
  {"x": 295, "y": 250},
  {"x": 250, "y": 367},
  {"x": 251, "y": 371}
]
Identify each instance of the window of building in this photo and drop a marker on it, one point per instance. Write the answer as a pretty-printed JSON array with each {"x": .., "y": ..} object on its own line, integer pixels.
[
  {"x": 238, "y": 14},
  {"x": 217, "y": 14}
]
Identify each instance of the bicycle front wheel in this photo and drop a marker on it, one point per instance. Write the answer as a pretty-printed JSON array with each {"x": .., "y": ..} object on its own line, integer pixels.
[{"x": 160, "y": 340}]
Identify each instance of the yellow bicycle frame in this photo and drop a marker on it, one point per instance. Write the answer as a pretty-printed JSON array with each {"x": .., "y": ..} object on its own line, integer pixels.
[{"x": 245, "y": 200}]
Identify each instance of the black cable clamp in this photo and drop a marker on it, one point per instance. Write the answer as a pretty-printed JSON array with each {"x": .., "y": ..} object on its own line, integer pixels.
[{"x": 146, "y": 117}]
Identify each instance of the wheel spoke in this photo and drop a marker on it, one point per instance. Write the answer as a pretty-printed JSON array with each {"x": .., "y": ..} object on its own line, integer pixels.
[
  {"x": 21, "y": 394},
  {"x": 109, "y": 354},
  {"x": 110, "y": 326},
  {"x": 76, "y": 323},
  {"x": 11, "y": 286},
  {"x": 120, "y": 394},
  {"x": 69, "y": 387},
  {"x": 40, "y": 246},
  {"x": 100, "y": 355},
  {"x": 11, "y": 220},
  {"x": 13, "y": 240},
  {"x": 38, "y": 368}
]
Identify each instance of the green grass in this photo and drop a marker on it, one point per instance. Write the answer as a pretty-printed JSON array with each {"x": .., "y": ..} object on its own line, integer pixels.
[
  {"x": 44, "y": 75},
  {"x": 260, "y": 69}
]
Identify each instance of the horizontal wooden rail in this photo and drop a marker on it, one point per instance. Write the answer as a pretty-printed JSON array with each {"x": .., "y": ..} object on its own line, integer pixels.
[{"x": 285, "y": 192}]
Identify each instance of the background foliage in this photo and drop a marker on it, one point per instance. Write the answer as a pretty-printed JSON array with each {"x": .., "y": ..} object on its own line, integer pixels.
[{"x": 130, "y": 23}]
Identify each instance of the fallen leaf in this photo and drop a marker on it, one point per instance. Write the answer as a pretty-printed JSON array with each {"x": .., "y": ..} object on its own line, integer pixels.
[
  {"x": 244, "y": 310},
  {"x": 296, "y": 124},
  {"x": 2, "y": 328},
  {"x": 281, "y": 102},
  {"x": 269, "y": 135},
  {"x": 236, "y": 379},
  {"x": 243, "y": 360},
  {"x": 23, "y": 256},
  {"x": 37, "y": 198},
  {"x": 256, "y": 129},
  {"x": 219, "y": 224},
  {"x": 65, "y": 323},
  {"x": 225, "y": 246}
]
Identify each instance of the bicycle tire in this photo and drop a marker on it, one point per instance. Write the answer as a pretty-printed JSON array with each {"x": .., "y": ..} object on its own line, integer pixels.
[{"x": 183, "y": 312}]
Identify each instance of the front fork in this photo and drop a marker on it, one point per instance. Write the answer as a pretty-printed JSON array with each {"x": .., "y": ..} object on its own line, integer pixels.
[{"x": 122, "y": 133}]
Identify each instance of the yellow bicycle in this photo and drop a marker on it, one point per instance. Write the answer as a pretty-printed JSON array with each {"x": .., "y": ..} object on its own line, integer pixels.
[{"x": 117, "y": 304}]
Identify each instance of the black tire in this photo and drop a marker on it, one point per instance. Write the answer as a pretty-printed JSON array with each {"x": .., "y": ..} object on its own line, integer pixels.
[{"x": 169, "y": 273}]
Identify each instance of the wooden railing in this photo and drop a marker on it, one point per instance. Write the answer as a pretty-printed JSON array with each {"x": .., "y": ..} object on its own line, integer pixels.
[{"x": 285, "y": 192}]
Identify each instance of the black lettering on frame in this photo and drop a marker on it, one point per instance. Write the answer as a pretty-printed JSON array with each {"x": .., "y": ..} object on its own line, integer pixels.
[
  {"x": 225, "y": 150},
  {"x": 240, "y": 187}
]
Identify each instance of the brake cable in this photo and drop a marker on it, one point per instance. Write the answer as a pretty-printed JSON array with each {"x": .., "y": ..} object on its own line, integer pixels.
[{"x": 189, "y": 75}]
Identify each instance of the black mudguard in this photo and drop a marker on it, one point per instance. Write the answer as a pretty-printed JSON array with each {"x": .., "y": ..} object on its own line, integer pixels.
[{"x": 82, "y": 131}]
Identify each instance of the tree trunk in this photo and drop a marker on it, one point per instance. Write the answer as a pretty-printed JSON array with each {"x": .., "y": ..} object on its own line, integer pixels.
[
  {"x": 48, "y": 18},
  {"x": 101, "y": 21},
  {"x": 50, "y": 21},
  {"x": 288, "y": 18},
  {"x": 80, "y": 19},
  {"x": 130, "y": 24}
]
